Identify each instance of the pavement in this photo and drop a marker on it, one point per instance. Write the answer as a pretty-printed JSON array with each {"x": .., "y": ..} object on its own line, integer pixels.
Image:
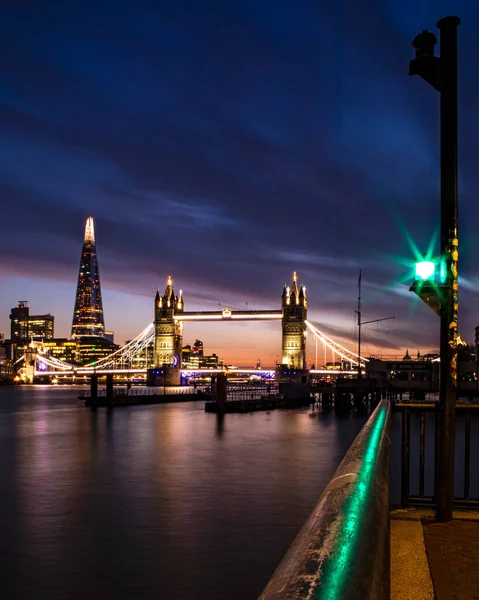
[
  {"x": 434, "y": 560},
  {"x": 453, "y": 552},
  {"x": 410, "y": 575}
]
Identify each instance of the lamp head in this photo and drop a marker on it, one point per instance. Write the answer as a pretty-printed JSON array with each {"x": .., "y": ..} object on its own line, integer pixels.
[
  {"x": 424, "y": 44},
  {"x": 425, "y": 270}
]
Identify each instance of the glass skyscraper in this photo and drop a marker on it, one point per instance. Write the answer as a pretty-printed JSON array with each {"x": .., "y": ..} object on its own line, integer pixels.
[{"x": 88, "y": 319}]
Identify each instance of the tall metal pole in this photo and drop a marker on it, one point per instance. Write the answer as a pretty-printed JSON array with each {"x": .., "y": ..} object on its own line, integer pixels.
[
  {"x": 359, "y": 325},
  {"x": 449, "y": 254}
]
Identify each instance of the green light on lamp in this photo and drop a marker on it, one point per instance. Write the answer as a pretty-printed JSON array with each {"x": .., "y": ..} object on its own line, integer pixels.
[
  {"x": 442, "y": 271},
  {"x": 425, "y": 269}
]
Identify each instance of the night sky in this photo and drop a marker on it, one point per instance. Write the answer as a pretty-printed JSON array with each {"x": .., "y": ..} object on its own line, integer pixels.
[{"x": 228, "y": 143}]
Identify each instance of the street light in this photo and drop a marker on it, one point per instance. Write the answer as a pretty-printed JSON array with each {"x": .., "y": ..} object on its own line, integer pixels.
[
  {"x": 427, "y": 284},
  {"x": 441, "y": 73},
  {"x": 425, "y": 270}
]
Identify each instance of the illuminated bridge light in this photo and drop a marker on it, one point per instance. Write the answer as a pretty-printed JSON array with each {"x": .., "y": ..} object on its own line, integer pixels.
[
  {"x": 230, "y": 315},
  {"x": 344, "y": 353},
  {"x": 332, "y": 372},
  {"x": 270, "y": 373},
  {"x": 122, "y": 361}
]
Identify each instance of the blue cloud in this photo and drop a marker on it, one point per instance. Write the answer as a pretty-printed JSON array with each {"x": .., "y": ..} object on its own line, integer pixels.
[{"x": 256, "y": 137}]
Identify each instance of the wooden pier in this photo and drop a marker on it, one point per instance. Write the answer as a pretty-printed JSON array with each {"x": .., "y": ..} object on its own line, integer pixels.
[
  {"x": 255, "y": 404},
  {"x": 141, "y": 397}
]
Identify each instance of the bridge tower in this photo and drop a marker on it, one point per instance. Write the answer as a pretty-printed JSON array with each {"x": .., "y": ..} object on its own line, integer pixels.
[
  {"x": 295, "y": 309},
  {"x": 168, "y": 337},
  {"x": 27, "y": 372}
]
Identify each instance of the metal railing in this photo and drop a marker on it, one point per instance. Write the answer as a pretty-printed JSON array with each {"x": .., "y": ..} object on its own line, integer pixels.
[
  {"x": 141, "y": 391},
  {"x": 342, "y": 551},
  {"x": 463, "y": 438},
  {"x": 250, "y": 391}
]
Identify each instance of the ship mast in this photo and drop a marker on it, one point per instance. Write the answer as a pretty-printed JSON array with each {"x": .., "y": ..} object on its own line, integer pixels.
[
  {"x": 359, "y": 325},
  {"x": 363, "y": 323}
]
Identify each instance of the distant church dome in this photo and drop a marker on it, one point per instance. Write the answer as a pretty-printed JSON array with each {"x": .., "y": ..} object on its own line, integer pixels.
[{"x": 407, "y": 357}]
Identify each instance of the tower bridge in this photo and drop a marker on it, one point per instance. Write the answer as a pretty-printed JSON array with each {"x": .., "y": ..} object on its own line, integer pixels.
[
  {"x": 170, "y": 315},
  {"x": 165, "y": 335}
]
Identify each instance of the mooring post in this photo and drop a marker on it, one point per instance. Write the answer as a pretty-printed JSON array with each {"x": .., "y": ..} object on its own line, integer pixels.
[
  {"x": 220, "y": 392},
  {"x": 109, "y": 389},
  {"x": 94, "y": 391}
]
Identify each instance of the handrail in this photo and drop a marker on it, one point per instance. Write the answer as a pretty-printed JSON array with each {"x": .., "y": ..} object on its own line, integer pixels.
[
  {"x": 433, "y": 406},
  {"x": 342, "y": 551},
  {"x": 417, "y": 411}
]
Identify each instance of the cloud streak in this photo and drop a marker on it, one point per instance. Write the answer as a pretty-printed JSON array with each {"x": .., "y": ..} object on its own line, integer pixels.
[{"x": 229, "y": 144}]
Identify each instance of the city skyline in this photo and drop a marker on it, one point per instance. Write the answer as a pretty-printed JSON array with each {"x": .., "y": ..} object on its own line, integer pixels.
[
  {"x": 202, "y": 329},
  {"x": 228, "y": 148}
]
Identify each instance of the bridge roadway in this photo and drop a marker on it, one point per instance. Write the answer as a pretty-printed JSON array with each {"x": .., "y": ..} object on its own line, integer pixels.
[
  {"x": 270, "y": 372},
  {"x": 228, "y": 314}
]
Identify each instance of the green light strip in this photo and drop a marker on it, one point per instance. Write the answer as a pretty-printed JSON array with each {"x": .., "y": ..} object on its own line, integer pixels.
[{"x": 336, "y": 569}]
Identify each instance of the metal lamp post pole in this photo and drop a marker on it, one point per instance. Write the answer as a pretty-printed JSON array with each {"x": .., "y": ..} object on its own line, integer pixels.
[
  {"x": 441, "y": 74},
  {"x": 449, "y": 254}
]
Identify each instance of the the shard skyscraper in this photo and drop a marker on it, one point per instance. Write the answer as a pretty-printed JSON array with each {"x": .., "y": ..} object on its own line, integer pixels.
[{"x": 88, "y": 317}]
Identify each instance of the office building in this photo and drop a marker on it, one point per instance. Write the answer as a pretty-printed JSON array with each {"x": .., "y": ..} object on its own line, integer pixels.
[
  {"x": 81, "y": 351},
  {"x": 41, "y": 327},
  {"x": 94, "y": 348},
  {"x": 19, "y": 322},
  {"x": 63, "y": 349},
  {"x": 6, "y": 363},
  {"x": 193, "y": 357},
  {"x": 25, "y": 327},
  {"x": 210, "y": 362},
  {"x": 197, "y": 348},
  {"x": 88, "y": 319}
]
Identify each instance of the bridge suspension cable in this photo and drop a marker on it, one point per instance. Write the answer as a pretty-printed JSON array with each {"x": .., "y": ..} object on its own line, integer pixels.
[
  {"x": 127, "y": 352},
  {"x": 53, "y": 362},
  {"x": 124, "y": 355},
  {"x": 124, "y": 358},
  {"x": 341, "y": 351}
]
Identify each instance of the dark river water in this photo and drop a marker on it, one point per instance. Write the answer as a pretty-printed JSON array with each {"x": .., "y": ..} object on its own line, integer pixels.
[
  {"x": 153, "y": 502},
  {"x": 158, "y": 502}
]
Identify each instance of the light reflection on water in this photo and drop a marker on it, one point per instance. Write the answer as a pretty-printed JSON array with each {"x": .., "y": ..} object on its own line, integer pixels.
[{"x": 153, "y": 502}]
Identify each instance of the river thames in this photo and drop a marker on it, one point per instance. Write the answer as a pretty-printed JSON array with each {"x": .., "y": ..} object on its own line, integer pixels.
[
  {"x": 161, "y": 501},
  {"x": 156, "y": 502}
]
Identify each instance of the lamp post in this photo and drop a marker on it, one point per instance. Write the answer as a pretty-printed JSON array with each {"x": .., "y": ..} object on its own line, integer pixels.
[{"x": 441, "y": 73}]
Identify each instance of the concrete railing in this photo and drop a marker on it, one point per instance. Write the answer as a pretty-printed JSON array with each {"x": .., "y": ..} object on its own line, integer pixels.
[{"x": 342, "y": 551}]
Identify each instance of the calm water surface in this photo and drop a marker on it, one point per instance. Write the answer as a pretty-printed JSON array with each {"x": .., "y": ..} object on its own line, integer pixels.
[{"x": 153, "y": 502}]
